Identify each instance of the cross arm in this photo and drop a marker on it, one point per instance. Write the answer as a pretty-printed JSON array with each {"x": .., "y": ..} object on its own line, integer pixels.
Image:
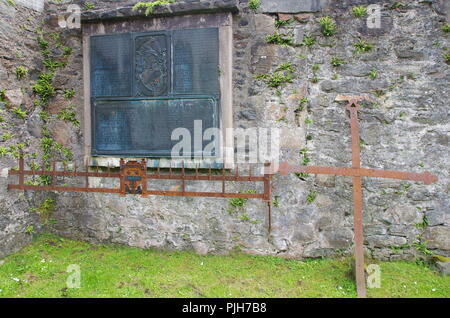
[{"x": 425, "y": 177}]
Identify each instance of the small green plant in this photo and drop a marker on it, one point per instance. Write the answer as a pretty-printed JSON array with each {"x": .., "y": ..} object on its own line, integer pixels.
[
  {"x": 315, "y": 68},
  {"x": 446, "y": 28},
  {"x": 282, "y": 23},
  {"x": 34, "y": 166},
  {"x": 52, "y": 64},
  {"x": 336, "y": 62},
  {"x": 3, "y": 151},
  {"x": 45, "y": 52},
  {"x": 43, "y": 115},
  {"x": 42, "y": 42},
  {"x": 280, "y": 39},
  {"x": 400, "y": 248},
  {"x": 67, "y": 51},
  {"x": 447, "y": 58},
  {"x": 45, "y": 209},
  {"x": 69, "y": 114},
  {"x": 362, "y": 46},
  {"x": 44, "y": 87},
  {"x": 19, "y": 112},
  {"x": 422, "y": 247},
  {"x": 21, "y": 72},
  {"x": 308, "y": 40},
  {"x": 282, "y": 76},
  {"x": 29, "y": 230},
  {"x": 149, "y": 6},
  {"x": 240, "y": 202},
  {"x": 11, "y": 3},
  {"x": 276, "y": 202},
  {"x": 396, "y": 5},
  {"x": 373, "y": 74},
  {"x": 244, "y": 217},
  {"x": 328, "y": 26},
  {"x": 286, "y": 67},
  {"x": 359, "y": 11},
  {"x": 89, "y": 6},
  {"x": 304, "y": 162},
  {"x": 308, "y": 121},
  {"x": 7, "y": 136},
  {"x": 315, "y": 80},
  {"x": 254, "y": 5},
  {"x": 301, "y": 104},
  {"x": 69, "y": 93},
  {"x": 311, "y": 197},
  {"x": 422, "y": 225}
]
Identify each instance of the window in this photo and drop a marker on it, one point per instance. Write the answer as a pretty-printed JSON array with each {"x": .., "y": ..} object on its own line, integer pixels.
[{"x": 143, "y": 85}]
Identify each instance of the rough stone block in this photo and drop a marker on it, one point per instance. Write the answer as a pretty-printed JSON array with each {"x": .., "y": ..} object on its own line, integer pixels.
[
  {"x": 443, "y": 268},
  {"x": 14, "y": 97},
  {"x": 292, "y": 6},
  {"x": 438, "y": 237}
]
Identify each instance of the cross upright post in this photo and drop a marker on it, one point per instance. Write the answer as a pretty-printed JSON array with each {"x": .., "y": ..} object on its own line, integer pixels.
[{"x": 357, "y": 172}]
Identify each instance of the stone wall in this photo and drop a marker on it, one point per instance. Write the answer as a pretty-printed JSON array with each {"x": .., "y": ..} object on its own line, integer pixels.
[
  {"x": 405, "y": 126},
  {"x": 18, "y": 47}
]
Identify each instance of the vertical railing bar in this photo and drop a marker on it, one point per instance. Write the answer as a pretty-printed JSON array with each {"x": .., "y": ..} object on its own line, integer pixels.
[
  {"x": 87, "y": 176},
  {"x": 21, "y": 169},
  {"x": 223, "y": 179},
  {"x": 53, "y": 172},
  {"x": 183, "y": 187}
]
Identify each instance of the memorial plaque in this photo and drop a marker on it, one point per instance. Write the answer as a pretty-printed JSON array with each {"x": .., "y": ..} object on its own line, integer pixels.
[
  {"x": 144, "y": 85},
  {"x": 196, "y": 61},
  {"x": 110, "y": 65},
  {"x": 144, "y": 127}
]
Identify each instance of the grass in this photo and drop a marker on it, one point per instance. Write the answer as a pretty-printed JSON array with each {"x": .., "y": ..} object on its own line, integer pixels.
[{"x": 40, "y": 270}]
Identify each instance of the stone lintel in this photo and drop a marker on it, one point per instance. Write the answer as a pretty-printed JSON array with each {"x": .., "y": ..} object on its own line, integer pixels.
[
  {"x": 292, "y": 6},
  {"x": 177, "y": 8}
]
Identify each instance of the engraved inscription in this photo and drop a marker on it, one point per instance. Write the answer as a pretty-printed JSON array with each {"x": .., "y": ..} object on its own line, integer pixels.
[{"x": 145, "y": 126}]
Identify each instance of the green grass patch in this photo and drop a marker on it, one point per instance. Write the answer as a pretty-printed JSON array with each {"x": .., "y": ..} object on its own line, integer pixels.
[{"x": 40, "y": 270}]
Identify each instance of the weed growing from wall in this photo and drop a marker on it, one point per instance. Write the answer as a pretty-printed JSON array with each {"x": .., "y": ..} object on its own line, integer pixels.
[{"x": 149, "y": 6}]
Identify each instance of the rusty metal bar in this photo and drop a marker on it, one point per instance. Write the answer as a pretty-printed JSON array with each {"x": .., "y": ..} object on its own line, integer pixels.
[
  {"x": 357, "y": 202},
  {"x": 21, "y": 169},
  {"x": 61, "y": 188},
  {"x": 66, "y": 173},
  {"x": 425, "y": 177}
]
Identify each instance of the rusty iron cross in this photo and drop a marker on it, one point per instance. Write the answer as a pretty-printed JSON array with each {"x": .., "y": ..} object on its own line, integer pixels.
[{"x": 357, "y": 172}]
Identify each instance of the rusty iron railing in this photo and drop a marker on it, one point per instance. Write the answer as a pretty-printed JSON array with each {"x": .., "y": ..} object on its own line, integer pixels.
[{"x": 134, "y": 179}]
